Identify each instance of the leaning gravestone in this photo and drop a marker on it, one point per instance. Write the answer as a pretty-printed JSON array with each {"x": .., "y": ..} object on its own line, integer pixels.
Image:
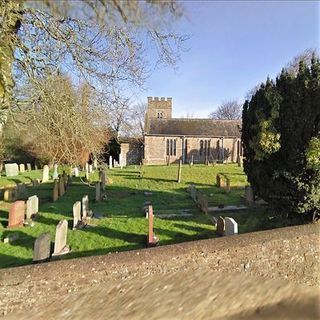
[
  {"x": 45, "y": 173},
  {"x": 220, "y": 226},
  {"x": 231, "y": 227},
  {"x": 55, "y": 195},
  {"x": 29, "y": 166},
  {"x": 22, "y": 168},
  {"x": 60, "y": 243},
  {"x": 32, "y": 206},
  {"x": 85, "y": 206},
  {"x": 55, "y": 172},
  {"x": 11, "y": 169},
  {"x": 16, "y": 214},
  {"x": 76, "y": 214},
  {"x": 41, "y": 251}
]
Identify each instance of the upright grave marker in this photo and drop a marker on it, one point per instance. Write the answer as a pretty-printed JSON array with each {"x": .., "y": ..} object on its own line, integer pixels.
[
  {"x": 22, "y": 168},
  {"x": 16, "y": 214},
  {"x": 32, "y": 206},
  {"x": 55, "y": 172},
  {"x": 55, "y": 195},
  {"x": 76, "y": 214},
  {"x": 60, "y": 243},
  {"x": 231, "y": 227},
  {"x": 110, "y": 162},
  {"x": 249, "y": 195},
  {"x": 152, "y": 239},
  {"x": 41, "y": 251},
  {"x": 85, "y": 206},
  {"x": 179, "y": 172},
  {"x": 220, "y": 226},
  {"x": 45, "y": 173},
  {"x": 76, "y": 172},
  {"x": 61, "y": 186},
  {"x": 10, "y": 194},
  {"x": 98, "y": 191},
  {"x": 29, "y": 167},
  {"x": 11, "y": 169},
  {"x": 103, "y": 179}
]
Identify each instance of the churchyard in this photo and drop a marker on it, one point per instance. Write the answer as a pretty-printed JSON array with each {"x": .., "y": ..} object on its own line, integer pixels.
[{"x": 119, "y": 221}]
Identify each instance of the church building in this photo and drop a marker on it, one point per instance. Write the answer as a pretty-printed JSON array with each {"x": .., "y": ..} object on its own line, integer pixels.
[{"x": 168, "y": 140}]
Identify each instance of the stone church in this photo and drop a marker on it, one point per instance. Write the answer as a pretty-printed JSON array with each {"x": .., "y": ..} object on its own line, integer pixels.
[{"x": 168, "y": 140}]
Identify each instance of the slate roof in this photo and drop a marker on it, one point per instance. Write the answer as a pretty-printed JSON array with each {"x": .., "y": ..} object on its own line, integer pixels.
[{"x": 194, "y": 127}]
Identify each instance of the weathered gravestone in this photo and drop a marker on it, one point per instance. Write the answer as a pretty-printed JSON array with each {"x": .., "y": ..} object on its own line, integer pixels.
[
  {"x": 249, "y": 196},
  {"x": 41, "y": 251},
  {"x": 65, "y": 179},
  {"x": 220, "y": 226},
  {"x": 202, "y": 202},
  {"x": 22, "y": 168},
  {"x": 55, "y": 194},
  {"x": 61, "y": 186},
  {"x": 228, "y": 185},
  {"x": 85, "y": 206},
  {"x": 231, "y": 227},
  {"x": 55, "y": 172},
  {"x": 10, "y": 194},
  {"x": 76, "y": 172},
  {"x": 11, "y": 169},
  {"x": 45, "y": 173},
  {"x": 98, "y": 191},
  {"x": 102, "y": 174},
  {"x": 76, "y": 214},
  {"x": 152, "y": 239},
  {"x": 16, "y": 214},
  {"x": 35, "y": 166},
  {"x": 110, "y": 162},
  {"x": 32, "y": 206},
  {"x": 29, "y": 166},
  {"x": 60, "y": 243}
]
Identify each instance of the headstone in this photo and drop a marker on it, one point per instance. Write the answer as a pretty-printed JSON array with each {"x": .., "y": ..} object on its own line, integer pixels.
[
  {"x": 90, "y": 168},
  {"x": 41, "y": 251},
  {"x": 202, "y": 202},
  {"x": 10, "y": 194},
  {"x": 29, "y": 166},
  {"x": 179, "y": 172},
  {"x": 65, "y": 179},
  {"x": 16, "y": 214},
  {"x": 192, "y": 160},
  {"x": 98, "y": 191},
  {"x": 55, "y": 172},
  {"x": 231, "y": 227},
  {"x": 152, "y": 239},
  {"x": 61, "y": 186},
  {"x": 249, "y": 196},
  {"x": 55, "y": 195},
  {"x": 85, "y": 206},
  {"x": 32, "y": 206},
  {"x": 60, "y": 243},
  {"x": 76, "y": 172},
  {"x": 110, "y": 162},
  {"x": 22, "y": 168},
  {"x": 11, "y": 169},
  {"x": 228, "y": 185},
  {"x": 103, "y": 179},
  {"x": 45, "y": 173},
  {"x": 220, "y": 226},
  {"x": 1, "y": 167},
  {"x": 76, "y": 214},
  {"x": 35, "y": 166}
]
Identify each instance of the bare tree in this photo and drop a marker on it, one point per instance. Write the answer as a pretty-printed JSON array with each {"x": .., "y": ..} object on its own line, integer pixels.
[
  {"x": 61, "y": 124},
  {"x": 103, "y": 43},
  {"x": 137, "y": 121},
  {"x": 305, "y": 56},
  {"x": 228, "y": 110}
]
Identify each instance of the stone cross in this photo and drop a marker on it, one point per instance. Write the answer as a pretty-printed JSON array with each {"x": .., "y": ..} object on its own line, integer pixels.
[
  {"x": 32, "y": 206},
  {"x": 231, "y": 227},
  {"x": 220, "y": 226},
  {"x": 98, "y": 191},
  {"x": 22, "y": 168},
  {"x": 85, "y": 206},
  {"x": 55, "y": 195},
  {"x": 61, "y": 186},
  {"x": 29, "y": 166},
  {"x": 55, "y": 172},
  {"x": 110, "y": 162},
  {"x": 60, "y": 243},
  {"x": 45, "y": 173},
  {"x": 11, "y": 169},
  {"x": 16, "y": 214},
  {"x": 41, "y": 251},
  {"x": 152, "y": 240},
  {"x": 76, "y": 214}
]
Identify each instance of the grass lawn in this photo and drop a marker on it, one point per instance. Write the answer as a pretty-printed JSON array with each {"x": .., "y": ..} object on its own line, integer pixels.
[{"x": 123, "y": 226}]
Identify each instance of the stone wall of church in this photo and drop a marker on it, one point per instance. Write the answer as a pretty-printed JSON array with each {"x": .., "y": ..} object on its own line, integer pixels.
[{"x": 198, "y": 149}]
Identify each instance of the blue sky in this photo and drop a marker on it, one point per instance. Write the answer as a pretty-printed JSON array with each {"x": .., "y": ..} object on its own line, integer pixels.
[{"x": 234, "y": 46}]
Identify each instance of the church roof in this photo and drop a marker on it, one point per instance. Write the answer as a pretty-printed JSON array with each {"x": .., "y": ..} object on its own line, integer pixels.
[{"x": 194, "y": 127}]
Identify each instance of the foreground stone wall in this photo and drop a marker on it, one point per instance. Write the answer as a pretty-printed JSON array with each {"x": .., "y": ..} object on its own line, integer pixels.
[{"x": 288, "y": 253}]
